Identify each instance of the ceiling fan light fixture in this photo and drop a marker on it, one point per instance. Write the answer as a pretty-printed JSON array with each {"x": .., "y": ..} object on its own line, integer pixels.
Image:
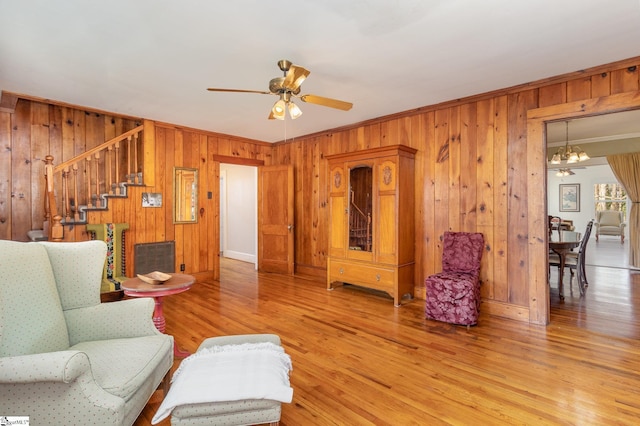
[
  {"x": 279, "y": 109},
  {"x": 556, "y": 159},
  {"x": 294, "y": 111},
  {"x": 572, "y": 157},
  {"x": 285, "y": 88}
]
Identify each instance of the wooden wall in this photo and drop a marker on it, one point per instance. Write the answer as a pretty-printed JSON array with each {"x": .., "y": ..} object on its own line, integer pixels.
[
  {"x": 34, "y": 130},
  {"x": 473, "y": 173}
]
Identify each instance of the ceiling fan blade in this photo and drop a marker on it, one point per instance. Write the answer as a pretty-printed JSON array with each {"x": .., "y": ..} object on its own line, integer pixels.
[
  {"x": 295, "y": 76},
  {"x": 328, "y": 102},
  {"x": 213, "y": 89}
]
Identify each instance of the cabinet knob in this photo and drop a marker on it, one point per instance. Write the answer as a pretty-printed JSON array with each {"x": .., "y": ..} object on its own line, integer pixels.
[
  {"x": 341, "y": 270},
  {"x": 377, "y": 277}
]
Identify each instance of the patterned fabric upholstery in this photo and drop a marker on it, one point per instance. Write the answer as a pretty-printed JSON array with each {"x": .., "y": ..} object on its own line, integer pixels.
[
  {"x": 63, "y": 359},
  {"x": 453, "y": 295},
  {"x": 22, "y": 307},
  {"x": 115, "y": 264}
]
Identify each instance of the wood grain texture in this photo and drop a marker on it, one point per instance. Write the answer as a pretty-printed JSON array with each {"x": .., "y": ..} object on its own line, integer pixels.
[
  {"x": 493, "y": 125},
  {"x": 6, "y": 176},
  {"x": 357, "y": 360}
]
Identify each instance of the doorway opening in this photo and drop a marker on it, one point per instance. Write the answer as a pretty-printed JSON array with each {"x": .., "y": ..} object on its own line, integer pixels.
[{"x": 239, "y": 212}]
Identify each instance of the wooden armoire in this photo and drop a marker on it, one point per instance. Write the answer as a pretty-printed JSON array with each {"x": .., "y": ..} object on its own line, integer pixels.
[{"x": 371, "y": 217}]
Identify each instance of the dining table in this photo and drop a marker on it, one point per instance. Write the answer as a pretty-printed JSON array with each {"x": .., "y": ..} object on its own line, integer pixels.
[{"x": 561, "y": 243}]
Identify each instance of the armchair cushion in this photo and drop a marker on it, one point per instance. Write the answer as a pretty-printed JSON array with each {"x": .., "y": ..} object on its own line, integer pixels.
[
  {"x": 76, "y": 285},
  {"x": 31, "y": 318},
  {"x": 610, "y": 218},
  {"x": 142, "y": 355}
]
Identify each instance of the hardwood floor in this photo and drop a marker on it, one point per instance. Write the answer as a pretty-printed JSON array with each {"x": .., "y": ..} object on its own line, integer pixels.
[{"x": 357, "y": 360}]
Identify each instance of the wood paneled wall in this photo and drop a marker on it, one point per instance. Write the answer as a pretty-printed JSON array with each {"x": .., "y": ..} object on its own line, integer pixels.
[
  {"x": 473, "y": 173},
  {"x": 34, "y": 130}
]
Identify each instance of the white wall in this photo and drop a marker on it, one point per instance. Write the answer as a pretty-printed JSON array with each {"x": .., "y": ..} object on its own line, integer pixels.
[
  {"x": 240, "y": 212},
  {"x": 587, "y": 178}
]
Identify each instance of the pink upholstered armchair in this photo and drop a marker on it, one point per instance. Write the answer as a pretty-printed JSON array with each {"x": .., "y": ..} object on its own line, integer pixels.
[{"x": 453, "y": 295}]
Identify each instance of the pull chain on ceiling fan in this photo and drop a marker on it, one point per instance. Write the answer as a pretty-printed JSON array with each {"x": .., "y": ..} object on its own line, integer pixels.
[{"x": 288, "y": 86}]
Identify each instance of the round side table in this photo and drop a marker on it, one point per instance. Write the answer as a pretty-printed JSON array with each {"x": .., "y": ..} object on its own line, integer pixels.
[{"x": 178, "y": 283}]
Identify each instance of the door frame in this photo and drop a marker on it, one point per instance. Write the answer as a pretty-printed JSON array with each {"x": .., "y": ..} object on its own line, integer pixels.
[
  {"x": 217, "y": 160},
  {"x": 538, "y": 259}
]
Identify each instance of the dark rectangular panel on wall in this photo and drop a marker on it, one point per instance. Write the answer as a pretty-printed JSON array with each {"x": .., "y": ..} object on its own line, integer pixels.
[{"x": 151, "y": 257}]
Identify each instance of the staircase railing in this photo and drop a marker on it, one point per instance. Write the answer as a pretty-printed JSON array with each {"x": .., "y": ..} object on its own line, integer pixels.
[
  {"x": 105, "y": 171},
  {"x": 359, "y": 228}
]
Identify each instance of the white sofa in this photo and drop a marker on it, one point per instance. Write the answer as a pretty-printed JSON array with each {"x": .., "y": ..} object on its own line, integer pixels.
[{"x": 65, "y": 358}]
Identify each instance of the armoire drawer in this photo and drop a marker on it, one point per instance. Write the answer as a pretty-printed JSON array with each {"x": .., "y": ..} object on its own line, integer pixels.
[{"x": 363, "y": 274}]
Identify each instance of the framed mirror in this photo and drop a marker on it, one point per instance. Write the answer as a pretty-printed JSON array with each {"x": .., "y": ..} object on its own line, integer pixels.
[{"x": 185, "y": 195}]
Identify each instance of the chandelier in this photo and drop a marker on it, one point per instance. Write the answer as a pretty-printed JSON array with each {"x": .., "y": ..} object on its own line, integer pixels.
[
  {"x": 564, "y": 172},
  {"x": 567, "y": 152}
]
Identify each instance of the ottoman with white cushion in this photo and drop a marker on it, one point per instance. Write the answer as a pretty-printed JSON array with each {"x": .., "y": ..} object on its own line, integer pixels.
[{"x": 231, "y": 381}]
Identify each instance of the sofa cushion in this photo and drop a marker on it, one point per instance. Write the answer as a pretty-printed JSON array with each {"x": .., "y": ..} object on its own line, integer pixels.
[
  {"x": 31, "y": 318},
  {"x": 122, "y": 366}
]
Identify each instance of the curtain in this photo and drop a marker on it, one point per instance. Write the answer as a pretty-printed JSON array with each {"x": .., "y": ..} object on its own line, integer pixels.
[{"x": 626, "y": 168}]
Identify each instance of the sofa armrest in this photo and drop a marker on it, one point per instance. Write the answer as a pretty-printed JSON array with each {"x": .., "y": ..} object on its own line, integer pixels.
[
  {"x": 62, "y": 366},
  {"x": 115, "y": 320}
]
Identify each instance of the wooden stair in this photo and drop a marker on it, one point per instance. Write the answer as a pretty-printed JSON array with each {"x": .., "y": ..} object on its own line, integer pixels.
[{"x": 87, "y": 181}]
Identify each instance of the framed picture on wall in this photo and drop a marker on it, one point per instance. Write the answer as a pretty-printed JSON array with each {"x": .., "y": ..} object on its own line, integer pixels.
[
  {"x": 151, "y": 199},
  {"x": 570, "y": 197}
]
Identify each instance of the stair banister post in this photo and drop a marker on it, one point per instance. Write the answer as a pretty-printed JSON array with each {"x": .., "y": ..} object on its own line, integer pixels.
[
  {"x": 129, "y": 178},
  {"x": 66, "y": 205},
  {"x": 135, "y": 158},
  {"x": 117, "y": 156},
  {"x": 76, "y": 212},
  {"x": 56, "y": 230},
  {"x": 87, "y": 173},
  {"x": 97, "y": 169},
  {"x": 109, "y": 177}
]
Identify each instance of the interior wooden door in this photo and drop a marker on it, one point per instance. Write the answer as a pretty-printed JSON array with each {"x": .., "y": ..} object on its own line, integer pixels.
[{"x": 275, "y": 219}]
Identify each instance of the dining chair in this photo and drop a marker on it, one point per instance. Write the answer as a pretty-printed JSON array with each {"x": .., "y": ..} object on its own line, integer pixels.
[
  {"x": 575, "y": 261},
  {"x": 554, "y": 223}
]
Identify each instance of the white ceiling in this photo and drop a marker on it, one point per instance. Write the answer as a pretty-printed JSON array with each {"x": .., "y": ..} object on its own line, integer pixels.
[
  {"x": 607, "y": 127},
  {"x": 155, "y": 58}
]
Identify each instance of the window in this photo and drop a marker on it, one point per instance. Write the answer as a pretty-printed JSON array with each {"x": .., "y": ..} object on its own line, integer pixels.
[{"x": 610, "y": 196}]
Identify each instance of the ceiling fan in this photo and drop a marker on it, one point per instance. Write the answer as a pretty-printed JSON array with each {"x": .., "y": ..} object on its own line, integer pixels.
[{"x": 288, "y": 87}]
